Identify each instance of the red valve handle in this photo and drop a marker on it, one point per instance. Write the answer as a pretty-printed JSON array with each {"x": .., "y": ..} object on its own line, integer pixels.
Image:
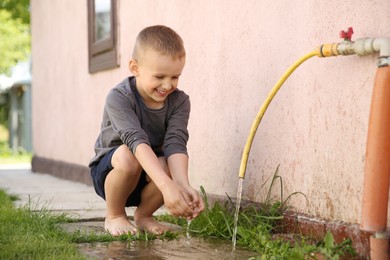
[{"x": 347, "y": 35}]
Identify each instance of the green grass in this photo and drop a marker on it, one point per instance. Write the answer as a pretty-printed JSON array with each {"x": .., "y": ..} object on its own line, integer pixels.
[
  {"x": 27, "y": 234},
  {"x": 7, "y": 156}
]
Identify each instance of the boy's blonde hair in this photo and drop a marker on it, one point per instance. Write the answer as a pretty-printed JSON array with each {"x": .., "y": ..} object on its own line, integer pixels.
[{"x": 161, "y": 39}]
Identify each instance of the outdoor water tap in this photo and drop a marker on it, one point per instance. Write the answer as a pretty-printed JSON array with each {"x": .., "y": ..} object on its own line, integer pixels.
[{"x": 342, "y": 48}]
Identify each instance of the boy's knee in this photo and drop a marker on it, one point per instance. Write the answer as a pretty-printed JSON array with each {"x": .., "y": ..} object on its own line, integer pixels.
[{"x": 123, "y": 159}]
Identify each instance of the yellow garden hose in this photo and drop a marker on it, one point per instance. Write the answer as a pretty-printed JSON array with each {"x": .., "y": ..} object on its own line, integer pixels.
[{"x": 264, "y": 107}]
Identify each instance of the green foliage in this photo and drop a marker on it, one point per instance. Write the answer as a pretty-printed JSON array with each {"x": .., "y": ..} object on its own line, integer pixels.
[
  {"x": 19, "y": 9},
  {"x": 278, "y": 204},
  {"x": 14, "y": 41},
  {"x": 14, "y": 33},
  {"x": 331, "y": 250},
  {"x": 216, "y": 221}
]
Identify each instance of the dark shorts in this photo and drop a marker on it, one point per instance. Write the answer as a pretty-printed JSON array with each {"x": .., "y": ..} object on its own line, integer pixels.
[{"x": 99, "y": 173}]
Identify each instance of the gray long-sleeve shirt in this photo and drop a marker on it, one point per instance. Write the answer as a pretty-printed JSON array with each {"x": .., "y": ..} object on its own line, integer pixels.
[{"x": 126, "y": 120}]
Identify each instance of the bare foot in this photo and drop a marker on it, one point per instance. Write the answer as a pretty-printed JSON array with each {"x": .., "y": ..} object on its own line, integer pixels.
[
  {"x": 119, "y": 225},
  {"x": 150, "y": 225}
]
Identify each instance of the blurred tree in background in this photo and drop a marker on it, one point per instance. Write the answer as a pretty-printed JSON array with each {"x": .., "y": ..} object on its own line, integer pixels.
[
  {"x": 19, "y": 9},
  {"x": 14, "y": 33}
]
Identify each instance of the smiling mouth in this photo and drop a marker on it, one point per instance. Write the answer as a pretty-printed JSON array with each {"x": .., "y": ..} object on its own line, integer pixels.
[{"x": 162, "y": 92}]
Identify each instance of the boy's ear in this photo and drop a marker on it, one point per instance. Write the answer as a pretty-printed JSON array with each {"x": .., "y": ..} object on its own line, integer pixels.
[{"x": 133, "y": 67}]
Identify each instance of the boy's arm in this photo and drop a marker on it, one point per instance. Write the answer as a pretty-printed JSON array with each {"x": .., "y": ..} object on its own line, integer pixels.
[
  {"x": 176, "y": 198},
  {"x": 178, "y": 166}
]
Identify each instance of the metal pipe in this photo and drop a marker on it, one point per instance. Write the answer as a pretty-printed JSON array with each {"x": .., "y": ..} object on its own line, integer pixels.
[
  {"x": 379, "y": 246},
  {"x": 361, "y": 47}
]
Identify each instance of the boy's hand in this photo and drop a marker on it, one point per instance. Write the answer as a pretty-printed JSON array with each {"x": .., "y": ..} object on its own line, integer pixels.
[
  {"x": 196, "y": 202},
  {"x": 178, "y": 201}
]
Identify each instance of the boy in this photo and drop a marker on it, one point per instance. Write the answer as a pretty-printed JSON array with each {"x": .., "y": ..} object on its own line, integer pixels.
[{"x": 141, "y": 156}]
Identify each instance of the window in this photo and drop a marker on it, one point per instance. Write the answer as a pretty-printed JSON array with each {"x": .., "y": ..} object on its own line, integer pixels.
[{"x": 102, "y": 38}]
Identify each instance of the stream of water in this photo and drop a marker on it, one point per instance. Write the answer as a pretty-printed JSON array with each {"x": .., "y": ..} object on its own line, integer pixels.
[
  {"x": 238, "y": 203},
  {"x": 188, "y": 231}
]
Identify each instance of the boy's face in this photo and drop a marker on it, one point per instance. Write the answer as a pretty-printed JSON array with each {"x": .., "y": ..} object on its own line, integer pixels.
[{"x": 157, "y": 76}]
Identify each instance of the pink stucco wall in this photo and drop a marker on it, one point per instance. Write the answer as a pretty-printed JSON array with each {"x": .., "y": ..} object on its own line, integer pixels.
[{"x": 315, "y": 128}]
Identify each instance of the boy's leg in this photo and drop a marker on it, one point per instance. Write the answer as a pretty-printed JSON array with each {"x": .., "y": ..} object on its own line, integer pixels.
[
  {"x": 151, "y": 200},
  {"x": 119, "y": 184}
]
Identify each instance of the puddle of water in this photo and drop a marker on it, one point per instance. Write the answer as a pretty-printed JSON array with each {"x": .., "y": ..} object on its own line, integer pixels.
[{"x": 198, "y": 248}]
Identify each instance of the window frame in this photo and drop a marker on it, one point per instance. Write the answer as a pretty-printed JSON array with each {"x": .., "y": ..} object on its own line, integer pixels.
[{"x": 102, "y": 54}]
